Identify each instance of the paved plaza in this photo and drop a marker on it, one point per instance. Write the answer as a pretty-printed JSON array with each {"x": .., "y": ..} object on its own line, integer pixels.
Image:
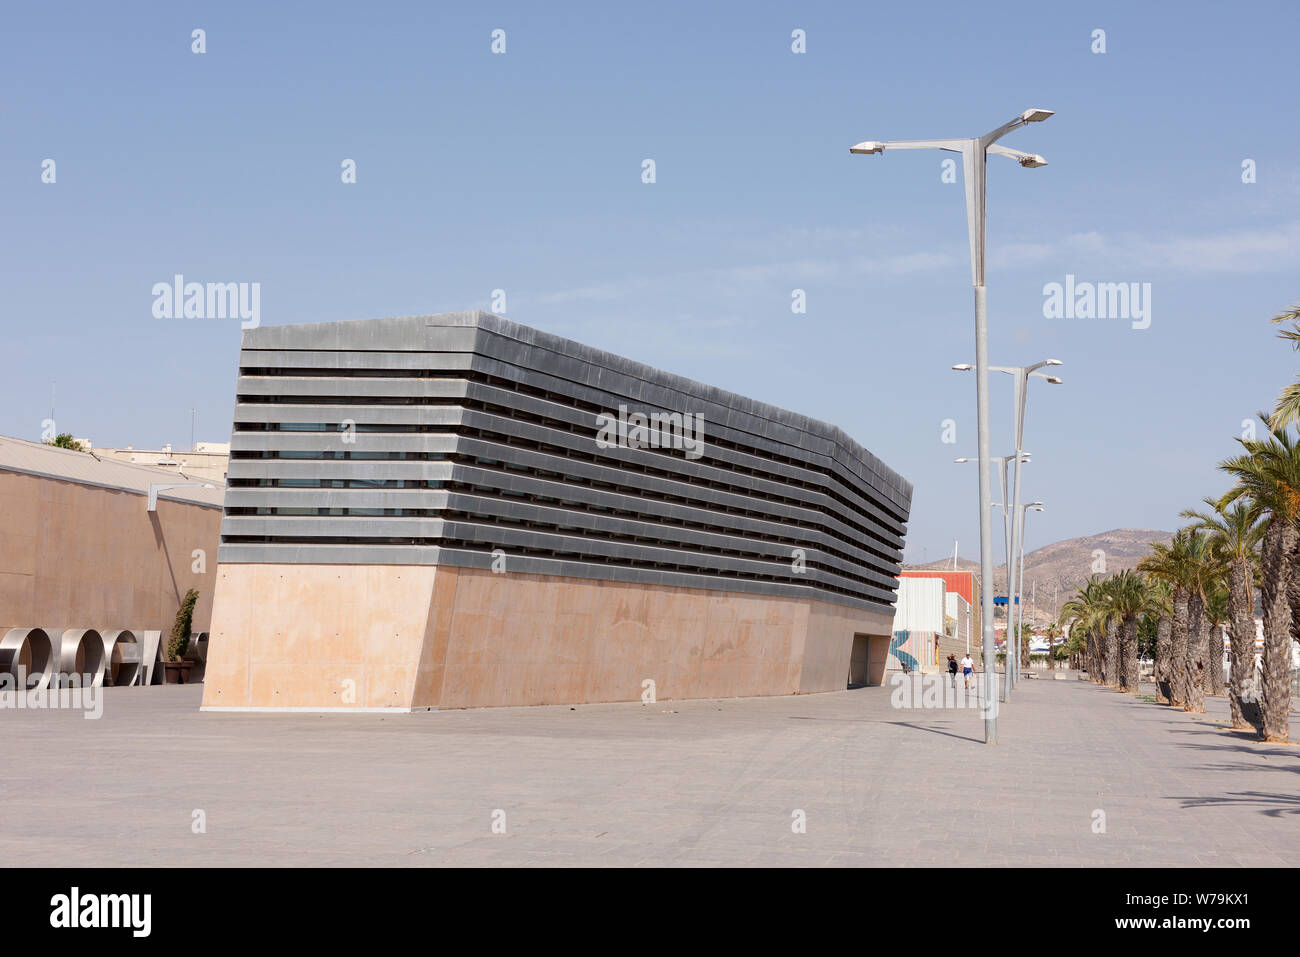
[{"x": 674, "y": 783}]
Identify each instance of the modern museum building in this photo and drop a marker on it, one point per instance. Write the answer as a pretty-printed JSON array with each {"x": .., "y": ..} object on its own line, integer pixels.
[{"x": 459, "y": 511}]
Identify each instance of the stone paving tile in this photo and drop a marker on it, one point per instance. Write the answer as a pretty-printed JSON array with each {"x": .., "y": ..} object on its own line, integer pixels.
[{"x": 697, "y": 783}]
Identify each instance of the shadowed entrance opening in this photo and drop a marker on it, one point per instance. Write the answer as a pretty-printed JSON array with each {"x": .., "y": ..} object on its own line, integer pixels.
[{"x": 859, "y": 662}]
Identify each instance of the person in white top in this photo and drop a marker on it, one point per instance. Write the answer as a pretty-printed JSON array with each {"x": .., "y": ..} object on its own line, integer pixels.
[{"x": 967, "y": 669}]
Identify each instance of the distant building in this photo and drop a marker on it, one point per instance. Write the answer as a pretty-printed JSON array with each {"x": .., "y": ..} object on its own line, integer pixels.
[
  {"x": 207, "y": 460},
  {"x": 932, "y": 620},
  {"x": 79, "y": 548},
  {"x": 961, "y": 606}
]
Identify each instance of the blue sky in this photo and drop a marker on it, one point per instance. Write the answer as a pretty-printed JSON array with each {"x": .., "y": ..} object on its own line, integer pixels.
[{"x": 522, "y": 172}]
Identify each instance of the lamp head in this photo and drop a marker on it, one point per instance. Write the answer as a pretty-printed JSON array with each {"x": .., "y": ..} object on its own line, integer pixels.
[
  {"x": 963, "y": 367},
  {"x": 866, "y": 147},
  {"x": 1032, "y": 161},
  {"x": 1035, "y": 116}
]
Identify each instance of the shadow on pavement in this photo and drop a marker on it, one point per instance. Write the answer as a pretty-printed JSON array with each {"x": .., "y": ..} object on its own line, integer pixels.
[
  {"x": 921, "y": 727},
  {"x": 1272, "y": 805}
]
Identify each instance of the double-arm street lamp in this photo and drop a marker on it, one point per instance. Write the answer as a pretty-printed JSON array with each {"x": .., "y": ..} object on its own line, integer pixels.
[
  {"x": 1016, "y": 597},
  {"x": 1003, "y": 461},
  {"x": 974, "y": 153},
  {"x": 1024, "y": 510},
  {"x": 1019, "y": 397}
]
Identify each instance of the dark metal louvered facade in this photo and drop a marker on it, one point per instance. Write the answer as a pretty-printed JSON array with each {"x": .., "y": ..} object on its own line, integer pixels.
[{"x": 445, "y": 439}]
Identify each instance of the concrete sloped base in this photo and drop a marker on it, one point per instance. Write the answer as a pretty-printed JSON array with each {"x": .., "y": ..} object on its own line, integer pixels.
[{"x": 352, "y": 637}]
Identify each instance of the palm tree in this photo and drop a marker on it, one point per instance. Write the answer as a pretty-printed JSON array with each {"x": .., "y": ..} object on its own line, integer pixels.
[
  {"x": 1268, "y": 478},
  {"x": 1162, "y": 610},
  {"x": 1216, "y": 616},
  {"x": 1286, "y": 413},
  {"x": 1095, "y": 629},
  {"x": 1075, "y": 646},
  {"x": 1110, "y": 644},
  {"x": 1053, "y": 633},
  {"x": 1127, "y": 599},
  {"x": 1090, "y": 615},
  {"x": 1204, "y": 572},
  {"x": 1104, "y": 629},
  {"x": 1287, "y": 410},
  {"x": 1168, "y": 562},
  {"x": 1235, "y": 533}
]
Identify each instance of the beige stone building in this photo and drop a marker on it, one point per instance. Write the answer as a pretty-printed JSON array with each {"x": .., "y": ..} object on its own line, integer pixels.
[
  {"x": 207, "y": 460},
  {"x": 80, "y": 549}
]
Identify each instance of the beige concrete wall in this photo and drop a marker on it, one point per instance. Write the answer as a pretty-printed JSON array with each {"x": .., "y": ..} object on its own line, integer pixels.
[
  {"x": 878, "y": 659},
  {"x": 79, "y": 556},
  {"x": 830, "y": 643},
  {"x": 322, "y": 636},
  {"x": 413, "y": 636}
]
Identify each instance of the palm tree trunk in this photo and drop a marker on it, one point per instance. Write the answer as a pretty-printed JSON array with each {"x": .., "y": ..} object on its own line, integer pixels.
[
  {"x": 1111, "y": 667},
  {"x": 1095, "y": 643},
  {"x": 1275, "y": 580},
  {"x": 1214, "y": 683},
  {"x": 1293, "y": 591},
  {"x": 1178, "y": 650},
  {"x": 1241, "y": 612},
  {"x": 1193, "y": 662},
  {"x": 1128, "y": 654},
  {"x": 1161, "y": 669}
]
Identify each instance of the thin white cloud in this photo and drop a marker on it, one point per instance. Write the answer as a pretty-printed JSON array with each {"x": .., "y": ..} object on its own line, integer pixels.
[{"x": 1238, "y": 251}]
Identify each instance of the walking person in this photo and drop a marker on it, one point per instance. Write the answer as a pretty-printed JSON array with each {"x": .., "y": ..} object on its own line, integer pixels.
[
  {"x": 952, "y": 670},
  {"x": 967, "y": 669}
]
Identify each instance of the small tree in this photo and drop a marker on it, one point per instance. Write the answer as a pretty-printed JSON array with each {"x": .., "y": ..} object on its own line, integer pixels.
[
  {"x": 64, "y": 440},
  {"x": 180, "y": 636},
  {"x": 1053, "y": 632}
]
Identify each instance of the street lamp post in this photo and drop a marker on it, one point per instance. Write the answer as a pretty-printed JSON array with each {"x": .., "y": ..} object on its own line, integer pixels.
[
  {"x": 1019, "y": 397},
  {"x": 1022, "y": 511},
  {"x": 1008, "y": 551},
  {"x": 1016, "y": 586},
  {"x": 974, "y": 153}
]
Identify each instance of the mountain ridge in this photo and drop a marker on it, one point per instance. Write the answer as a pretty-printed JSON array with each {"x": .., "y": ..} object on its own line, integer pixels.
[{"x": 1059, "y": 567}]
